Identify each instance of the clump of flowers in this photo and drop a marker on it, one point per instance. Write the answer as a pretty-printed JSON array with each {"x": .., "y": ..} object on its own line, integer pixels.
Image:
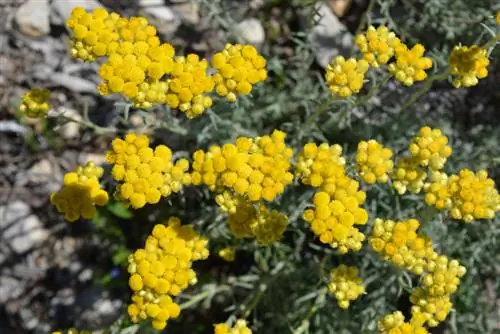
[
  {"x": 410, "y": 64},
  {"x": 408, "y": 175},
  {"x": 145, "y": 174},
  {"x": 430, "y": 148},
  {"x": 80, "y": 193},
  {"x": 319, "y": 166},
  {"x": 138, "y": 66},
  {"x": 345, "y": 77},
  {"x": 35, "y": 102},
  {"x": 394, "y": 323},
  {"x": 256, "y": 221},
  {"x": 333, "y": 219},
  {"x": 432, "y": 298},
  {"x": 399, "y": 243},
  {"x": 468, "y": 64},
  {"x": 227, "y": 253},
  {"x": 473, "y": 196},
  {"x": 345, "y": 284},
  {"x": 162, "y": 269},
  {"x": 189, "y": 84},
  {"x": 239, "y": 67},
  {"x": 373, "y": 161},
  {"x": 256, "y": 168},
  {"x": 437, "y": 192},
  {"x": 377, "y": 45},
  {"x": 93, "y": 34},
  {"x": 240, "y": 327}
]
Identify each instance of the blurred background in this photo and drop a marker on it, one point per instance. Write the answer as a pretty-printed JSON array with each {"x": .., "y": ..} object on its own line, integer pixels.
[{"x": 56, "y": 275}]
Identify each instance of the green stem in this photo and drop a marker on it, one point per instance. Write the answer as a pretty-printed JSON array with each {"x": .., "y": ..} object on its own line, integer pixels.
[
  {"x": 373, "y": 90},
  {"x": 315, "y": 307},
  {"x": 204, "y": 295}
]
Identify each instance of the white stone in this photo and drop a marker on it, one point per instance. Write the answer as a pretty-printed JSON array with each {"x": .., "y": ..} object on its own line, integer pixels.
[
  {"x": 161, "y": 13},
  {"x": 71, "y": 130},
  {"x": 21, "y": 229},
  {"x": 33, "y": 18},
  {"x": 330, "y": 36},
  {"x": 98, "y": 158},
  {"x": 146, "y": 3},
  {"x": 251, "y": 31}
]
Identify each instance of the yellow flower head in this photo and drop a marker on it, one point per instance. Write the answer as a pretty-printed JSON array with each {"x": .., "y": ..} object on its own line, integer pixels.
[
  {"x": 188, "y": 85},
  {"x": 410, "y": 64},
  {"x": 257, "y": 168},
  {"x": 319, "y": 166},
  {"x": 240, "y": 327},
  {"x": 377, "y": 45},
  {"x": 145, "y": 175},
  {"x": 345, "y": 77},
  {"x": 239, "y": 67},
  {"x": 373, "y": 161},
  {"x": 408, "y": 175},
  {"x": 93, "y": 34},
  {"x": 227, "y": 253},
  {"x": 250, "y": 221},
  {"x": 497, "y": 19},
  {"x": 333, "y": 218},
  {"x": 35, "y": 103},
  {"x": 400, "y": 244},
  {"x": 469, "y": 64},
  {"x": 394, "y": 323},
  {"x": 345, "y": 284},
  {"x": 473, "y": 196},
  {"x": 430, "y": 148},
  {"x": 162, "y": 270},
  {"x": 437, "y": 192},
  {"x": 80, "y": 193}
]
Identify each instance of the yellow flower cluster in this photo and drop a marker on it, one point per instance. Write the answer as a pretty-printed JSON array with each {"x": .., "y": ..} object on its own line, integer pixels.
[
  {"x": 345, "y": 77},
  {"x": 162, "y": 269},
  {"x": 345, "y": 284},
  {"x": 320, "y": 166},
  {"x": 399, "y": 243},
  {"x": 146, "y": 71},
  {"x": 238, "y": 68},
  {"x": 227, "y": 253},
  {"x": 95, "y": 34},
  {"x": 497, "y": 19},
  {"x": 35, "y": 102},
  {"x": 377, "y": 45},
  {"x": 394, "y": 323},
  {"x": 147, "y": 175},
  {"x": 469, "y": 196},
  {"x": 240, "y": 327},
  {"x": 256, "y": 221},
  {"x": 333, "y": 219},
  {"x": 469, "y": 64},
  {"x": 432, "y": 298},
  {"x": 430, "y": 148},
  {"x": 410, "y": 64},
  {"x": 437, "y": 192},
  {"x": 256, "y": 168},
  {"x": 373, "y": 161},
  {"x": 80, "y": 193}
]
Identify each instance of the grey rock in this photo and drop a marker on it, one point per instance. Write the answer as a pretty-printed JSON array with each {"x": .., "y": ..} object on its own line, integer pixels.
[
  {"x": 251, "y": 31},
  {"x": 70, "y": 130},
  {"x": 163, "y": 13},
  {"x": 32, "y": 18},
  {"x": 330, "y": 36},
  {"x": 21, "y": 229},
  {"x": 74, "y": 83},
  {"x": 85, "y": 275},
  {"x": 10, "y": 288},
  {"x": 97, "y": 158},
  {"x": 43, "y": 173},
  {"x": 98, "y": 309},
  {"x": 61, "y": 9},
  {"x": 189, "y": 12},
  {"x": 29, "y": 319},
  {"x": 146, "y": 3}
]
